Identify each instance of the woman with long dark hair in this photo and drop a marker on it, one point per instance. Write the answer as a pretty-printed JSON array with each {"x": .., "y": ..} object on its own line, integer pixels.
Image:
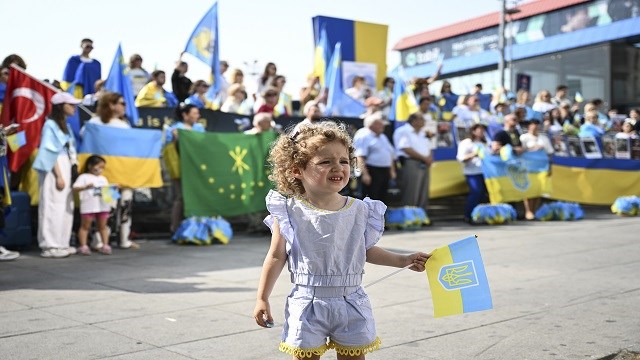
[
  {"x": 56, "y": 155},
  {"x": 110, "y": 111},
  {"x": 267, "y": 77}
]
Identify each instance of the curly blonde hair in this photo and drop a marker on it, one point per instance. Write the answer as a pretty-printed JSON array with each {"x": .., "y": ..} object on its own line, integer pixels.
[{"x": 294, "y": 150}]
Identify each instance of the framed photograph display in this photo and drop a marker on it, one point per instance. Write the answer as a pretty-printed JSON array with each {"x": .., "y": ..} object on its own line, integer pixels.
[
  {"x": 575, "y": 148},
  {"x": 609, "y": 146},
  {"x": 461, "y": 133},
  {"x": 559, "y": 145},
  {"x": 623, "y": 149},
  {"x": 634, "y": 144},
  {"x": 590, "y": 148},
  {"x": 444, "y": 137}
]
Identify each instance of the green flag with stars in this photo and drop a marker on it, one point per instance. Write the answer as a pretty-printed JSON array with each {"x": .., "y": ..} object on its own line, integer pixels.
[{"x": 224, "y": 174}]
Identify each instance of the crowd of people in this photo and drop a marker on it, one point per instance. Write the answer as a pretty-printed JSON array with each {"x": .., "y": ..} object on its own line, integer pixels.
[{"x": 402, "y": 156}]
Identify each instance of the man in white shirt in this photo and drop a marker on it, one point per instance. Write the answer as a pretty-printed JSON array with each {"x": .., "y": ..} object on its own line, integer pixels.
[
  {"x": 414, "y": 150},
  {"x": 376, "y": 157}
]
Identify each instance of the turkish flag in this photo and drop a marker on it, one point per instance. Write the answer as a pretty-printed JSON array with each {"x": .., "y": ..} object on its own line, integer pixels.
[{"x": 27, "y": 102}]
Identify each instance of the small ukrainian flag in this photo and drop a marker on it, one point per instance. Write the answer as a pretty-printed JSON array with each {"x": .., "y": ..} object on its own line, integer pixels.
[{"x": 457, "y": 279}]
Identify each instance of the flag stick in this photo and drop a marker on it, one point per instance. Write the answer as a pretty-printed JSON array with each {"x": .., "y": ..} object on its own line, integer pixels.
[
  {"x": 18, "y": 68},
  {"x": 389, "y": 275}
]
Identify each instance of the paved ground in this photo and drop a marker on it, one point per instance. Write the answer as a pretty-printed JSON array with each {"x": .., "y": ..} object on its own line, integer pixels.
[{"x": 563, "y": 290}]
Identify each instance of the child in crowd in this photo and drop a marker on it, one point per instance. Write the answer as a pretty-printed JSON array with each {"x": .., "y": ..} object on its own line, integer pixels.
[
  {"x": 90, "y": 184},
  {"x": 325, "y": 238}
]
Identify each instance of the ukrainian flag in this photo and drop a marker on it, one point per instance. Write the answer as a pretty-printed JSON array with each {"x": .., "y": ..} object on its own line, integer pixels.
[
  {"x": 447, "y": 178},
  {"x": 516, "y": 177},
  {"x": 361, "y": 42},
  {"x": 594, "y": 181},
  {"x": 133, "y": 155},
  {"x": 457, "y": 279},
  {"x": 404, "y": 103}
]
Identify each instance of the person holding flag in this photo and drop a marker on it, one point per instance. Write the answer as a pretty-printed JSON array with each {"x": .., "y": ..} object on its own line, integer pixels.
[
  {"x": 326, "y": 238},
  {"x": 56, "y": 155},
  {"x": 89, "y": 186}
]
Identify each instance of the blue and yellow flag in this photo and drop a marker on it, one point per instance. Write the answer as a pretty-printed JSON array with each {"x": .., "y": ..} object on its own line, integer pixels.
[
  {"x": 338, "y": 102},
  {"x": 203, "y": 44},
  {"x": 16, "y": 141},
  {"x": 457, "y": 279},
  {"x": 119, "y": 82},
  {"x": 514, "y": 178},
  {"x": 133, "y": 155},
  {"x": 404, "y": 103},
  {"x": 321, "y": 57},
  {"x": 109, "y": 193}
]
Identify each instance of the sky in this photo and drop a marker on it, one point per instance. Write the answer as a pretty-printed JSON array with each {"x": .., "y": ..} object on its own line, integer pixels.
[{"x": 46, "y": 33}]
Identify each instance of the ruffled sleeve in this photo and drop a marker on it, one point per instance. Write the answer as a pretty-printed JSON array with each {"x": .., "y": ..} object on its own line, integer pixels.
[
  {"x": 375, "y": 222},
  {"x": 277, "y": 207}
]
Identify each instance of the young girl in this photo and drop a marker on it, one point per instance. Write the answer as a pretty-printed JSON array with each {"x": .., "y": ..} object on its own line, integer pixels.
[
  {"x": 92, "y": 206},
  {"x": 325, "y": 238}
]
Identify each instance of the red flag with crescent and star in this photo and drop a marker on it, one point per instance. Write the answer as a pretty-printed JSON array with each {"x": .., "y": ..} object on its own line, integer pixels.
[{"x": 27, "y": 103}]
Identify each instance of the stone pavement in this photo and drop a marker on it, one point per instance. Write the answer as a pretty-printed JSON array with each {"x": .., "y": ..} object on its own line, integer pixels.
[{"x": 561, "y": 290}]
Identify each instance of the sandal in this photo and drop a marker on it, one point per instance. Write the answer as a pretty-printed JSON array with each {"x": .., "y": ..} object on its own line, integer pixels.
[{"x": 106, "y": 249}]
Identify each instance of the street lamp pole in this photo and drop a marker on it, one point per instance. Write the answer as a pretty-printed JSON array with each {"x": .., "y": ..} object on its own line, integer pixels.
[{"x": 501, "y": 41}]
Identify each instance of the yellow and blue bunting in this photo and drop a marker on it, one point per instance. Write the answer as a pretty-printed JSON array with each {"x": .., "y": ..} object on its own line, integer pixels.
[
  {"x": 202, "y": 231},
  {"x": 457, "y": 279},
  {"x": 493, "y": 214},
  {"x": 559, "y": 210},
  {"x": 407, "y": 217},
  {"x": 626, "y": 206}
]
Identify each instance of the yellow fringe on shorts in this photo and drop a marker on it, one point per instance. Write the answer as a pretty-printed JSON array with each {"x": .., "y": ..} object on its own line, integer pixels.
[
  {"x": 302, "y": 353},
  {"x": 355, "y": 350}
]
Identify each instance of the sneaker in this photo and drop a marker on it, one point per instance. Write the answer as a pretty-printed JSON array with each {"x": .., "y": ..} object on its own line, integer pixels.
[
  {"x": 96, "y": 242},
  {"x": 84, "y": 250},
  {"x": 106, "y": 249},
  {"x": 130, "y": 245},
  {"x": 54, "y": 253},
  {"x": 71, "y": 250},
  {"x": 6, "y": 255}
]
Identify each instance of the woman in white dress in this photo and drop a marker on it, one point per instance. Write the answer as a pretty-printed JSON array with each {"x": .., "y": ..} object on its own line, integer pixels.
[{"x": 55, "y": 157}]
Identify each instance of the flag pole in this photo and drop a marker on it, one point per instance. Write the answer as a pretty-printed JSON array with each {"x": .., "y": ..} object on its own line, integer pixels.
[
  {"x": 388, "y": 276},
  {"x": 44, "y": 83}
]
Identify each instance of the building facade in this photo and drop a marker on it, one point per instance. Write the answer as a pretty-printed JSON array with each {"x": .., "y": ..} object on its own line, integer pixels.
[{"x": 593, "y": 46}]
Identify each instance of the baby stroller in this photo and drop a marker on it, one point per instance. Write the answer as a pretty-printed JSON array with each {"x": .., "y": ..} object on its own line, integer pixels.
[{"x": 119, "y": 214}]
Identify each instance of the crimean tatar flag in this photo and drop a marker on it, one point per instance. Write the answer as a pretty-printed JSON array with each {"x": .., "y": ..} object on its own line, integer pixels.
[
  {"x": 223, "y": 174},
  {"x": 203, "y": 44},
  {"x": 457, "y": 279},
  {"x": 133, "y": 155}
]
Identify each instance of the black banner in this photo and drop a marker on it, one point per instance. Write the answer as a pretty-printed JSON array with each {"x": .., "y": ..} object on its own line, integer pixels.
[{"x": 217, "y": 121}]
